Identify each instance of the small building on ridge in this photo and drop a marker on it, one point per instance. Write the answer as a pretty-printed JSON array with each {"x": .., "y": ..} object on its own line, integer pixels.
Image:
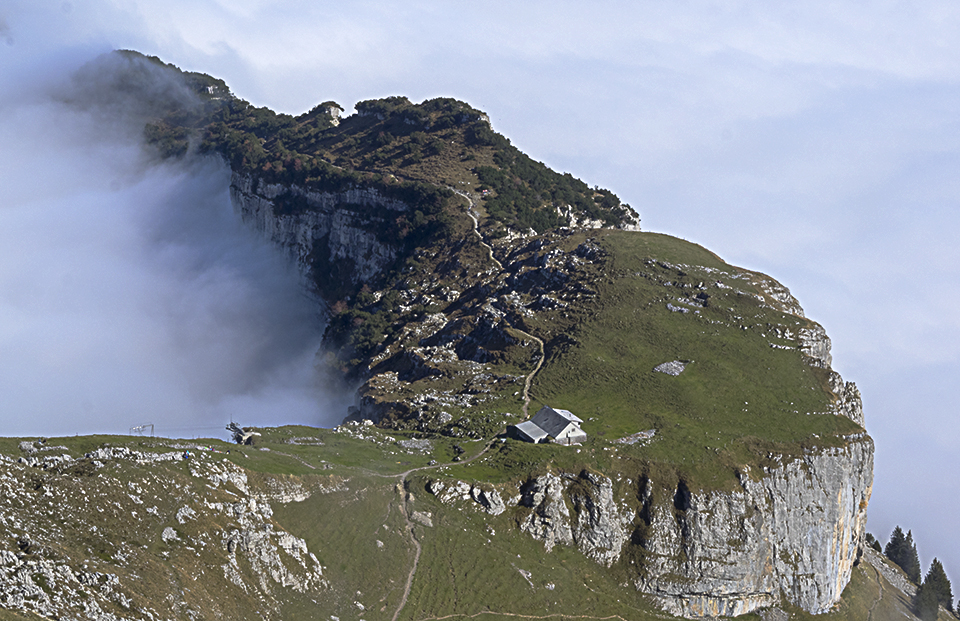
[{"x": 551, "y": 425}]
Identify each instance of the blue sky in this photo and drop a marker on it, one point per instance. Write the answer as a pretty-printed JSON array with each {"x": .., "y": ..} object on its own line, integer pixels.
[{"x": 816, "y": 142}]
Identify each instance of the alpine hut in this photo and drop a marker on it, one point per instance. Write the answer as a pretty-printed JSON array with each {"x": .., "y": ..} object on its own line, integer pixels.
[{"x": 553, "y": 425}]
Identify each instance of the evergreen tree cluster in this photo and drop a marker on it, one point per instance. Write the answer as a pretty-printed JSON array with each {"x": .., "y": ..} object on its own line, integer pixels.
[
  {"x": 903, "y": 552},
  {"x": 935, "y": 590}
]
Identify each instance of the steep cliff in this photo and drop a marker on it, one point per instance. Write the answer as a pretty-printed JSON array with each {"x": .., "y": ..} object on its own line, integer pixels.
[
  {"x": 796, "y": 530},
  {"x": 332, "y": 229},
  {"x": 791, "y": 532}
]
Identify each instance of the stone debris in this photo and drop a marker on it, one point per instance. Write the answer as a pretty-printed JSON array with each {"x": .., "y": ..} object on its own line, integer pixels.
[
  {"x": 50, "y": 461},
  {"x": 121, "y": 452},
  {"x": 224, "y": 472},
  {"x": 416, "y": 444},
  {"x": 422, "y": 517},
  {"x": 285, "y": 490},
  {"x": 185, "y": 513},
  {"x": 640, "y": 436},
  {"x": 255, "y": 554},
  {"x": 526, "y": 576},
  {"x": 674, "y": 367}
]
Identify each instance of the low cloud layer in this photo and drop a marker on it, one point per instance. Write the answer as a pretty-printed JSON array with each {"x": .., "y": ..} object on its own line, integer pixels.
[{"x": 131, "y": 293}]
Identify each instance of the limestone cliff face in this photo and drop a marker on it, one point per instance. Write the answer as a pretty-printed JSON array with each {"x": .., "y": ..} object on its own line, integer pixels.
[
  {"x": 791, "y": 532},
  {"x": 796, "y": 529},
  {"x": 335, "y": 223}
]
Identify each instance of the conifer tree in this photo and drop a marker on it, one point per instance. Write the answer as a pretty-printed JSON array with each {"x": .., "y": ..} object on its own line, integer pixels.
[
  {"x": 938, "y": 582},
  {"x": 894, "y": 549},
  {"x": 925, "y": 604},
  {"x": 903, "y": 552},
  {"x": 911, "y": 561}
]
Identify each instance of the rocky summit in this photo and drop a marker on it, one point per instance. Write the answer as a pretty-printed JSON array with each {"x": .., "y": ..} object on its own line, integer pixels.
[{"x": 725, "y": 468}]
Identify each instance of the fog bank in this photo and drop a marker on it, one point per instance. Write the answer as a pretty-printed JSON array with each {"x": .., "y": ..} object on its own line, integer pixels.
[{"x": 131, "y": 293}]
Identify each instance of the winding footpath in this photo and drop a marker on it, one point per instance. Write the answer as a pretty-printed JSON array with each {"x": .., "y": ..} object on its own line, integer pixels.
[
  {"x": 879, "y": 595},
  {"x": 529, "y": 380},
  {"x": 472, "y": 212},
  {"x": 403, "y": 475},
  {"x": 409, "y": 523}
]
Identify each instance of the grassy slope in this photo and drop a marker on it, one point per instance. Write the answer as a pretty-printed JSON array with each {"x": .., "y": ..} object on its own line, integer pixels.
[
  {"x": 470, "y": 564},
  {"x": 738, "y": 398}
]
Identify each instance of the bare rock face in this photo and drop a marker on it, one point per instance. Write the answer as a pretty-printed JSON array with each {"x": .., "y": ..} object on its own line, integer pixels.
[
  {"x": 550, "y": 519},
  {"x": 348, "y": 236},
  {"x": 598, "y": 525},
  {"x": 790, "y": 532},
  {"x": 796, "y": 530},
  {"x": 848, "y": 401},
  {"x": 602, "y": 526},
  {"x": 815, "y": 343}
]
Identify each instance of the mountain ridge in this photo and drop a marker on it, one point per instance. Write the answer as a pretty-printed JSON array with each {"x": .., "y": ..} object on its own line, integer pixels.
[{"x": 466, "y": 285}]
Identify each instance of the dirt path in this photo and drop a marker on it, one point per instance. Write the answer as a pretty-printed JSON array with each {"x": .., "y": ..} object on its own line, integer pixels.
[
  {"x": 529, "y": 380},
  {"x": 416, "y": 555},
  {"x": 409, "y": 523},
  {"x": 879, "y": 595},
  {"x": 526, "y": 384},
  {"x": 473, "y": 216},
  {"x": 403, "y": 475}
]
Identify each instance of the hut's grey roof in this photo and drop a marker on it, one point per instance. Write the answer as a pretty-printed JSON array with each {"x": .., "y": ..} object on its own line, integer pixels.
[
  {"x": 554, "y": 422},
  {"x": 567, "y": 414},
  {"x": 531, "y": 430}
]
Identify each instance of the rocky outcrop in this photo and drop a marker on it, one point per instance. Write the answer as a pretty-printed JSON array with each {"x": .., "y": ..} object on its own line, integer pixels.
[
  {"x": 487, "y": 499},
  {"x": 260, "y": 543},
  {"x": 848, "y": 401},
  {"x": 790, "y": 532},
  {"x": 795, "y": 530},
  {"x": 549, "y": 521},
  {"x": 597, "y": 524},
  {"x": 602, "y": 525},
  {"x": 337, "y": 223},
  {"x": 557, "y": 509},
  {"x": 815, "y": 343},
  {"x": 121, "y": 514}
]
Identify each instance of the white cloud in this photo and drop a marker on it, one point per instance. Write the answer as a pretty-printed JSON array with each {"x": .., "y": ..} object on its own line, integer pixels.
[{"x": 130, "y": 292}]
